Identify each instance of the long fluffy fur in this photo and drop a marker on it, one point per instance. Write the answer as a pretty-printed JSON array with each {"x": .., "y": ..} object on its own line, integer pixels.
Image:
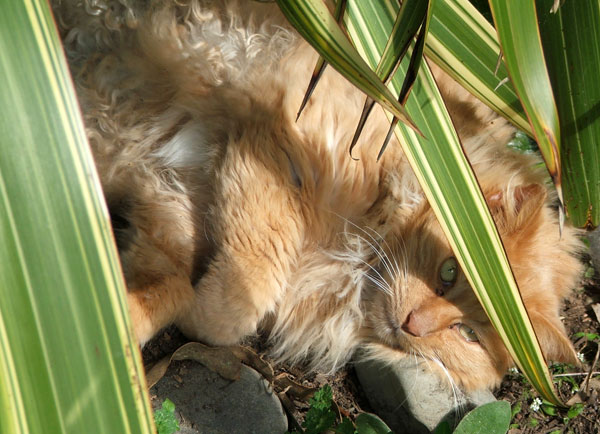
[{"x": 190, "y": 107}]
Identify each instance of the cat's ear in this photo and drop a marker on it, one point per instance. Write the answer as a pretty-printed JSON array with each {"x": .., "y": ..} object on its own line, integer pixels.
[
  {"x": 553, "y": 339},
  {"x": 515, "y": 208}
]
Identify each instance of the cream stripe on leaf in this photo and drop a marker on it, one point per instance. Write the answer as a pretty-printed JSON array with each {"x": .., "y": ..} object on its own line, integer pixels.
[
  {"x": 68, "y": 362},
  {"x": 466, "y": 46}
]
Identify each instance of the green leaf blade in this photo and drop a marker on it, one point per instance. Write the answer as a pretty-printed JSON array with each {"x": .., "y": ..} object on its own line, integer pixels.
[
  {"x": 465, "y": 45},
  {"x": 67, "y": 361},
  {"x": 523, "y": 54},
  {"x": 571, "y": 40},
  {"x": 367, "y": 423},
  {"x": 410, "y": 17}
]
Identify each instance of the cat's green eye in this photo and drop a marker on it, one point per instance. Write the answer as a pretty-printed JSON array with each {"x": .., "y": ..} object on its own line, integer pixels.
[
  {"x": 449, "y": 271},
  {"x": 467, "y": 333}
]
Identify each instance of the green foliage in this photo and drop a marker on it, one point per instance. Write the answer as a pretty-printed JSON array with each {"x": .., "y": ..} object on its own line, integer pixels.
[
  {"x": 589, "y": 272},
  {"x": 548, "y": 408},
  {"x": 574, "y": 411},
  {"x": 367, "y": 423},
  {"x": 164, "y": 418},
  {"x": 522, "y": 143},
  {"x": 544, "y": 407},
  {"x": 67, "y": 359},
  {"x": 443, "y": 428},
  {"x": 516, "y": 409},
  {"x": 490, "y": 418},
  {"x": 589, "y": 336},
  {"x": 563, "y": 368},
  {"x": 321, "y": 417},
  {"x": 346, "y": 427}
]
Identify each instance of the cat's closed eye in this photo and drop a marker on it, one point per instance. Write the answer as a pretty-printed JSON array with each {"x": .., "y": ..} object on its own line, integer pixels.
[{"x": 296, "y": 179}]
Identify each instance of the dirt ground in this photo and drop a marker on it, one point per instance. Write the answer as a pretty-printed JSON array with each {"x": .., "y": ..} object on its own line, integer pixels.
[{"x": 579, "y": 389}]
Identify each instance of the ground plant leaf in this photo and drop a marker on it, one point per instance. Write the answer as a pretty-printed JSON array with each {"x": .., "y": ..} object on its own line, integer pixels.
[
  {"x": 367, "y": 423},
  {"x": 320, "y": 416},
  {"x": 164, "y": 418},
  {"x": 549, "y": 409},
  {"x": 443, "y": 428},
  {"x": 491, "y": 418},
  {"x": 575, "y": 411},
  {"x": 345, "y": 427}
]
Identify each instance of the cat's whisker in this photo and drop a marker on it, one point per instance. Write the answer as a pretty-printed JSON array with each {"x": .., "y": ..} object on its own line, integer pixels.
[
  {"x": 457, "y": 394},
  {"x": 381, "y": 255},
  {"x": 374, "y": 244},
  {"x": 402, "y": 269},
  {"x": 401, "y": 244},
  {"x": 383, "y": 285},
  {"x": 378, "y": 280},
  {"x": 394, "y": 264},
  {"x": 378, "y": 251}
]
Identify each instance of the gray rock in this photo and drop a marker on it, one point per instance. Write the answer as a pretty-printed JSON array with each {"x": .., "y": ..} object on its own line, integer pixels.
[
  {"x": 412, "y": 400},
  {"x": 594, "y": 238},
  {"x": 207, "y": 403}
]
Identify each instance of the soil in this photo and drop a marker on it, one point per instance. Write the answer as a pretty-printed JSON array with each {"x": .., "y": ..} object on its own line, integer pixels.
[{"x": 580, "y": 390}]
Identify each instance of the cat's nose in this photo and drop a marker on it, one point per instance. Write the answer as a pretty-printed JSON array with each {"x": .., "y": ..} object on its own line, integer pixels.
[{"x": 413, "y": 326}]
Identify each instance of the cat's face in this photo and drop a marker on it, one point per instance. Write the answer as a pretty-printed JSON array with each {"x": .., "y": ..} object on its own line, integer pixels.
[{"x": 421, "y": 303}]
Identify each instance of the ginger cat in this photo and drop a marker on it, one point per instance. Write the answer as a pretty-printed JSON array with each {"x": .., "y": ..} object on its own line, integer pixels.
[{"x": 230, "y": 216}]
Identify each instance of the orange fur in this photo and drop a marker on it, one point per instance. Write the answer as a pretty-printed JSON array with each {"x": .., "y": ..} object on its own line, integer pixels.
[{"x": 230, "y": 216}]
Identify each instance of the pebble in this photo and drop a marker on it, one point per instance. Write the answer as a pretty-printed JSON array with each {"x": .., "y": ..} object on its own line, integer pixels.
[
  {"x": 206, "y": 403},
  {"x": 412, "y": 400}
]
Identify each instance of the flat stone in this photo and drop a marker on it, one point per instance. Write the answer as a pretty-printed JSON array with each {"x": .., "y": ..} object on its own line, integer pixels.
[
  {"x": 207, "y": 403},
  {"x": 411, "y": 399}
]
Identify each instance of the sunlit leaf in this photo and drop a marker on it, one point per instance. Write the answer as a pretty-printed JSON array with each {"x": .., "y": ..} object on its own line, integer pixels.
[
  {"x": 523, "y": 55},
  {"x": 410, "y": 17},
  {"x": 68, "y": 363},
  {"x": 571, "y": 40}
]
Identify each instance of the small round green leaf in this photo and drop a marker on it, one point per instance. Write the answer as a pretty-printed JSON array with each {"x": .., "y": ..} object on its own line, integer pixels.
[
  {"x": 490, "y": 418},
  {"x": 367, "y": 423}
]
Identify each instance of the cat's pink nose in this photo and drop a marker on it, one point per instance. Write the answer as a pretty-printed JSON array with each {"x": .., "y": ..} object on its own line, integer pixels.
[{"x": 413, "y": 326}]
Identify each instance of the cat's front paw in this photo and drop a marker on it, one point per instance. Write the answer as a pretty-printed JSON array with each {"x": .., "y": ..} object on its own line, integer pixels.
[
  {"x": 217, "y": 327},
  {"x": 143, "y": 327}
]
